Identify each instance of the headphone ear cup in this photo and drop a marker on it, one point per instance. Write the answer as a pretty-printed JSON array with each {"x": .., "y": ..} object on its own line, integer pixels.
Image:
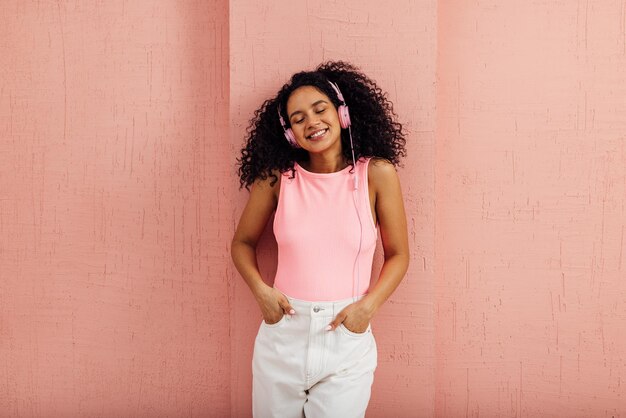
[
  {"x": 291, "y": 138},
  {"x": 344, "y": 116}
]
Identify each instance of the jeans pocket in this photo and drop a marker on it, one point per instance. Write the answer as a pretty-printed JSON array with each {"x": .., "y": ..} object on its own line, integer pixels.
[
  {"x": 346, "y": 331},
  {"x": 275, "y": 324}
]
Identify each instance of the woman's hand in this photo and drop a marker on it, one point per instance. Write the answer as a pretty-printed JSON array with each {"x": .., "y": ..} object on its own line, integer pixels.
[
  {"x": 355, "y": 317},
  {"x": 273, "y": 305}
]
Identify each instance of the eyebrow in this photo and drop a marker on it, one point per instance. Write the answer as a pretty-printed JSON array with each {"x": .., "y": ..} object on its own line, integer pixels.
[{"x": 313, "y": 105}]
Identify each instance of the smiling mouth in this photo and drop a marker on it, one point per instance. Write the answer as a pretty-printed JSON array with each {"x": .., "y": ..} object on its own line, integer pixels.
[{"x": 317, "y": 134}]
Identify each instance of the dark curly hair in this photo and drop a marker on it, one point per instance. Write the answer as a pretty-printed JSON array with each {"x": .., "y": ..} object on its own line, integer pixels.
[{"x": 375, "y": 132}]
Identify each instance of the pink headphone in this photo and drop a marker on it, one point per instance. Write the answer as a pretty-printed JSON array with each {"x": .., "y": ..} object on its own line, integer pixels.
[{"x": 344, "y": 117}]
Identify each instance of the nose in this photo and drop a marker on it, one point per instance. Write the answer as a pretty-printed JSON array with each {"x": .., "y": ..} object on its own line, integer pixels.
[
  {"x": 314, "y": 119},
  {"x": 314, "y": 122}
]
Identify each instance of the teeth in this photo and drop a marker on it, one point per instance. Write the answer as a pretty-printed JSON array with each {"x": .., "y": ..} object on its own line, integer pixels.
[{"x": 320, "y": 133}]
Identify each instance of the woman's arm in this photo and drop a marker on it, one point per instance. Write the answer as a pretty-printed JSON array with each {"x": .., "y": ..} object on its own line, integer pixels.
[
  {"x": 393, "y": 232},
  {"x": 392, "y": 224},
  {"x": 261, "y": 204}
]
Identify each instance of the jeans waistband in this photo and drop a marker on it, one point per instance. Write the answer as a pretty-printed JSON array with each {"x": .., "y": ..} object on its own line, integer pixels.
[{"x": 316, "y": 308}]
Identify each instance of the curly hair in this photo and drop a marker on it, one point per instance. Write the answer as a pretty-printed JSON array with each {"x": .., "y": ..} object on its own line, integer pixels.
[{"x": 375, "y": 131}]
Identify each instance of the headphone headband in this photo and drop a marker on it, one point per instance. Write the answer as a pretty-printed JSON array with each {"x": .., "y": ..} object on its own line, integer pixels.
[{"x": 336, "y": 88}]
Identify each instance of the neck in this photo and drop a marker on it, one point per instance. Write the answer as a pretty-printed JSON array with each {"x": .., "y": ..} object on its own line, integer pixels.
[{"x": 322, "y": 164}]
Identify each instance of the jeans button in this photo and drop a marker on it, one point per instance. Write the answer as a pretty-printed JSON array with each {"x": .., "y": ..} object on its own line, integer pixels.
[{"x": 316, "y": 309}]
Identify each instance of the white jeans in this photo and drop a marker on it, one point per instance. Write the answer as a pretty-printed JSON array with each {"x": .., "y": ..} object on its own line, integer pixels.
[{"x": 301, "y": 370}]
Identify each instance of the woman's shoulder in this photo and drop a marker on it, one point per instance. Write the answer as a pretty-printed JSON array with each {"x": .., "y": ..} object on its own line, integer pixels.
[
  {"x": 269, "y": 186},
  {"x": 381, "y": 172},
  {"x": 276, "y": 186},
  {"x": 380, "y": 166}
]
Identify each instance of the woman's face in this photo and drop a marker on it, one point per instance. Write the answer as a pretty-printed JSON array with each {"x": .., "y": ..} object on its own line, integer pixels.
[{"x": 314, "y": 120}]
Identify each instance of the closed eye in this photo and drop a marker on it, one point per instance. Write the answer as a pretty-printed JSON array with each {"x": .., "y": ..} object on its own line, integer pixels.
[{"x": 302, "y": 120}]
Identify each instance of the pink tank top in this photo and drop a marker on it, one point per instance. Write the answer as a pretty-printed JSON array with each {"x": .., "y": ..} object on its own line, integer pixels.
[{"x": 317, "y": 229}]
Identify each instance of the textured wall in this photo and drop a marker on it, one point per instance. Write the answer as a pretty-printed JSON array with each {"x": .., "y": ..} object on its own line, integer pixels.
[
  {"x": 113, "y": 221},
  {"x": 396, "y": 47},
  {"x": 118, "y": 198},
  {"x": 531, "y": 189}
]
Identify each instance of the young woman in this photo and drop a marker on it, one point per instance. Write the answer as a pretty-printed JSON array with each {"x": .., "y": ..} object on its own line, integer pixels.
[{"x": 322, "y": 154}]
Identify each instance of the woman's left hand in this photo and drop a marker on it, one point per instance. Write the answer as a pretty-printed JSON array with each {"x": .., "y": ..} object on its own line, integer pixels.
[{"x": 355, "y": 317}]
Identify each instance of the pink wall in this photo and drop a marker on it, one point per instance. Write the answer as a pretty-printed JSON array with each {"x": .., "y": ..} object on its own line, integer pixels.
[
  {"x": 530, "y": 219},
  {"x": 119, "y": 197},
  {"x": 299, "y": 35},
  {"x": 113, "y": 210}
]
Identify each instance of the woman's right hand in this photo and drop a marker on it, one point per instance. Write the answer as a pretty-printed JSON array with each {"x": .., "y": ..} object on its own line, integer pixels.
[{"x": 273, "y": 305}]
